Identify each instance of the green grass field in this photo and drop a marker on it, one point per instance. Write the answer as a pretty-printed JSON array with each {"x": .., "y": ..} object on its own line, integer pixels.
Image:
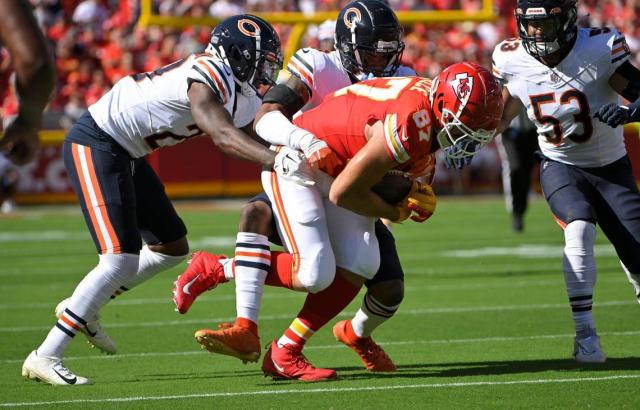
[{"x": 485, "y": 323}]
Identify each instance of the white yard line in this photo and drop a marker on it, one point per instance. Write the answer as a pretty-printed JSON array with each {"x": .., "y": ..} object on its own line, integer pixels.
[
  {"x": 325, "y": 390},
  {"x": 413, "y": 312},
  {"x": 493, "y": 339},
  {"x": 126, "y": 301}
]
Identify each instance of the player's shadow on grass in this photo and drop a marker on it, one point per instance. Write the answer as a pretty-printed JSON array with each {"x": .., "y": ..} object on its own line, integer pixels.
[
  {"x": 493, "y": 368},
  {"x": 208, "y": 375}
]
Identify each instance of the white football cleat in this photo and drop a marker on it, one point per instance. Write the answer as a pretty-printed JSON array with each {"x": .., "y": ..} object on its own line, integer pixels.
[
  {"x": 50, "y": 370},
  {"x": 96, "y": 335},
  {"x": 588, "y": 349}
]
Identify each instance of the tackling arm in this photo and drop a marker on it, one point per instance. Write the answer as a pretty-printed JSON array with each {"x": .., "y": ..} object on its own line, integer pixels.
[
  {"x": 352, "y": 187},
  {"x": 35, "y": 78},
  {"x": 512, "y": 107},
  {"x": 273, "y": 124},
  {"x": 212, "y": 118}
]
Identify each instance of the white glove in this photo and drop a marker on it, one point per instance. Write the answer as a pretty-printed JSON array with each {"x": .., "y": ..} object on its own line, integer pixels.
[
  {"x": 293, "y": 166},
  {"x": 319, "y": 154}
]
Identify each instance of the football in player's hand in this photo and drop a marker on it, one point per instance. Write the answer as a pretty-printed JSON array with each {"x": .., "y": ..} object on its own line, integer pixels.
[{"x": 393, "y": 187}]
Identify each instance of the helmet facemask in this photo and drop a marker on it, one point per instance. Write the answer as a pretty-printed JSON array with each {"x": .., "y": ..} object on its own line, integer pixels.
[
  {"x": 558, "y": 27},
  {"x": 458, "y": 141},
  {"x": 265, "y": 73},
  {"x": 380, "y": 58}
]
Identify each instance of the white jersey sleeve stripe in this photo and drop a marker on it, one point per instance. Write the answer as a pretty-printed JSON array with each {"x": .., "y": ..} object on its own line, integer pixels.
[
  {"x": 213, "y": 75},
  {"x": 393, "y": 139},
  {"x": 301, "y": 70},
  {"x": 619, "y": 49},
  {"x": 211, "y": 84}
]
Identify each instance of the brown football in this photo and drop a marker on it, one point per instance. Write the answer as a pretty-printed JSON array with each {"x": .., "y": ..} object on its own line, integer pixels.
[{"x": 393, "y": 187}]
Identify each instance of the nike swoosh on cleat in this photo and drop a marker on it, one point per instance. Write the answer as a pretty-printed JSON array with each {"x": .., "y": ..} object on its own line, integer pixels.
[
  {"x": 186, "y": 287},
  {"x": 69, "y": 381},
  {"x": 280, "y": 369},
  {"x": 89, "y": 332}
]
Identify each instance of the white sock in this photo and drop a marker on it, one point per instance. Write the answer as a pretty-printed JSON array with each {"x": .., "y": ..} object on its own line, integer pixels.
[
  {"x": 227, "y": 266},
  {"x": 579, "y": 268},
  {"x": 151, "y": 263},
  {"x": 252, "y": 263},
  {"x": 371, "y": 314},
  {"x": 90, "y": 295}
]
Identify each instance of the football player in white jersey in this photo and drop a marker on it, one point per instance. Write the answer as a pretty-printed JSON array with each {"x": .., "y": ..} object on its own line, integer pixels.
[
  {"x": 216, "y": 93},
  {"x": 569, "y": 80},
  {"x": 368, "y": 42}
]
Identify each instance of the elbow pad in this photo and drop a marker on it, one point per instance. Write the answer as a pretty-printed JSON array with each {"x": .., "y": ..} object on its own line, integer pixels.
[{"x": 285, "y": 96}]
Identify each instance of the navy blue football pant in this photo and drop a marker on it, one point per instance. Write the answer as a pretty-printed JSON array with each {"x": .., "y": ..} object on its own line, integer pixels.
[
  {"x": 605, "y": 195},
  {"x": 122, "y": 199}
]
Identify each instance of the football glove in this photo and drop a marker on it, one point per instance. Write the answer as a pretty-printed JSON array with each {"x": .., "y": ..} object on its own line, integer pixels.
[
  {"x": 403, "y": 212},
  {"x": 292, "y": 165},
  {"x": 615, "y": 115},
  {"x": 320, "y": 155},
  {"x": 422, "y": 202}
]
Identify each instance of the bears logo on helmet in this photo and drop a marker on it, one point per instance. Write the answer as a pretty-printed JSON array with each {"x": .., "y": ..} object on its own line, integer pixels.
[
  {"x": 251, "y": 48},
  {"x": 369, "y": 39}
]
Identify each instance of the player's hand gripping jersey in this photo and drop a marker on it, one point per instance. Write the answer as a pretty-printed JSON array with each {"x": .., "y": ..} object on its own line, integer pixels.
[
  {"x": 323, "y": 73},
  {"x": 400, "y": 103},
  {"x": 561, "y": 100},
  {"x": 147, "y": 111}
]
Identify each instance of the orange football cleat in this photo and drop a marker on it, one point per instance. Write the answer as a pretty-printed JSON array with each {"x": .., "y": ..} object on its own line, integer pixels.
[
  {"x": 204, "y": 272},
  {"x": 231, "y": 340},
  {"x": 375, "y": 359},
  {"x": 288, "y": 362}
]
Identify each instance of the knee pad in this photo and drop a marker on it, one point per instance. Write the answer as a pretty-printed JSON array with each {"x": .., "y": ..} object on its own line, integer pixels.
[
  {"x": 317, "y": 271},
  {"x": 579, "y": 265}
]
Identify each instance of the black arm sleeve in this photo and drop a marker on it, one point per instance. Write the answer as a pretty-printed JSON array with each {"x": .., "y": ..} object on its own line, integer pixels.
[
  {"x": 632, "y": 74},
  {"x": 285, "y": 96}
]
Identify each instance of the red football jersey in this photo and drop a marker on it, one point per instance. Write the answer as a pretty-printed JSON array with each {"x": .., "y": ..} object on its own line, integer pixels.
[{"x": 401, "y": 103}]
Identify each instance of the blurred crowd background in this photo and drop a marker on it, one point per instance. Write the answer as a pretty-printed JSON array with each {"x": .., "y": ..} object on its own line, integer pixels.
[{"x": 97, "y": 42}]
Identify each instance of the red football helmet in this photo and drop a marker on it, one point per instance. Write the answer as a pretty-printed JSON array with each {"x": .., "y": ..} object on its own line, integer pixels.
[{"x": 467, "y": 102}]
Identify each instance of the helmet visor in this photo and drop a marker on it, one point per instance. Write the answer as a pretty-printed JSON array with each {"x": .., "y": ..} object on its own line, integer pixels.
[{"x": 382, "y": 59}]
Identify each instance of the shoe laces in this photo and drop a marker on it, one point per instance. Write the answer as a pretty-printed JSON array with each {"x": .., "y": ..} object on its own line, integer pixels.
[
  {"x": 298, "y": 358},
  {"x": 59, "y": 367}
]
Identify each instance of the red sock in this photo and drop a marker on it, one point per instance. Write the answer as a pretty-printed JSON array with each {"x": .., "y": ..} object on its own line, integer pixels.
[
  {"x": 319, "y": 308},
  {"x": 280, "y": 273}
]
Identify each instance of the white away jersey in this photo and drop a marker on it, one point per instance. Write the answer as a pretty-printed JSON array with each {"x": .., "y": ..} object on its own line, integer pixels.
[
  {"x": 150, "y": 110},
  {"x": 323, "y": 73},
  {"x": 561, "y": 100}
]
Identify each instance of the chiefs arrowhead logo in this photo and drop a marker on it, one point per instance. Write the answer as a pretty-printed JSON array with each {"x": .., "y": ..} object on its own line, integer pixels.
[{"x": 462, "y": 87}]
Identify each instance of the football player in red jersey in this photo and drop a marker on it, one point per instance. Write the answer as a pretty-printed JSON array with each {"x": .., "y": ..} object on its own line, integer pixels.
[
  {"x": 368, "y": 42},
  {"x": 35, "y": 78},
  {"x": 371, "y": 127}
]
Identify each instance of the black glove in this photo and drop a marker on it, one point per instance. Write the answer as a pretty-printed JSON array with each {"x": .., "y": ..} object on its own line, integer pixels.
[{"x": 613, "y": 114}]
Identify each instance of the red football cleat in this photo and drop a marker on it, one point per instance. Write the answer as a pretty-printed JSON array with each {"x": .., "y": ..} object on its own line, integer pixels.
[
  {"x": 231, "y": 340},
  {"x": 374, "y": 358},
  {"x": 288, "y": 362},
  {"x": 204, "y": 273}
]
